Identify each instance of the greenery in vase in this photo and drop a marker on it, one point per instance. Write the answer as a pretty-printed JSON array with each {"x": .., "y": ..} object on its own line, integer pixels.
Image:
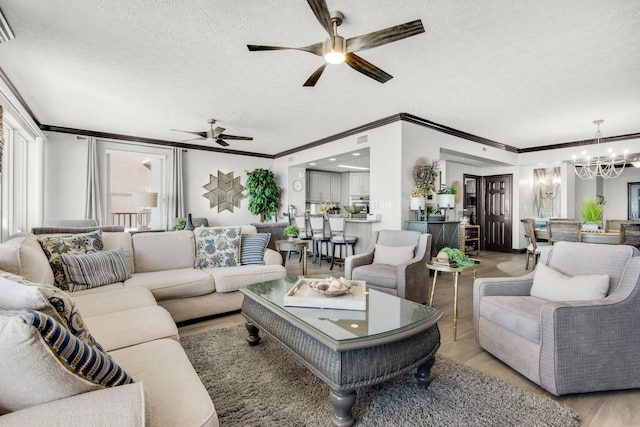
[
  {"x": 591, "y": 211},
  {"x": 447, "y": 190},
  {"x": 291, "y": 230},
  {"x": 263, "y": 193},
  {"x": 425, "y": 178},
  {"x": 180, "y": 225}
]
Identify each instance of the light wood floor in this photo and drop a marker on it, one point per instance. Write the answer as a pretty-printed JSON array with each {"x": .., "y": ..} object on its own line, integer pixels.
[{"x": 611, "y": 409}]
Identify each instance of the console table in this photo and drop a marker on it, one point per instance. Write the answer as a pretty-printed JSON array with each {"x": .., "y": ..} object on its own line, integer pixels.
[{"x": 443, "y": 233}]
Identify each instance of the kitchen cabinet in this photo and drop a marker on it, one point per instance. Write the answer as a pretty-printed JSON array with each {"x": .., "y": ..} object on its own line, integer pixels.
[
  {"x": 359, "y": 183},
  {"x": 323, "y": 187}
]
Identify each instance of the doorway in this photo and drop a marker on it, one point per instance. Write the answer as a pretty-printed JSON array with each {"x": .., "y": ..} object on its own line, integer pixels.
[{"x": 497, "y": 213}]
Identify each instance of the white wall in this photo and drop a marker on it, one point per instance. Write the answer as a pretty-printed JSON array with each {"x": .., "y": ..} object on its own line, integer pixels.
[{"x": 66, "y": 168}]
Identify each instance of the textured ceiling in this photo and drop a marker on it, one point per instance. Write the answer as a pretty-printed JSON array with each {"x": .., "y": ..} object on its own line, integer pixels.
[{"x": 522, "y": 73}]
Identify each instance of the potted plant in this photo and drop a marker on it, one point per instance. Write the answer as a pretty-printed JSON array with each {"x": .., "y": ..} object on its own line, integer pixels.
[
  {"x": 447, "y": 196},
  {"x": 263, "y": 193},
  {"x": 291, "y": 231},
  {"x": 591, "y": 213},
  {"x": 424, "y": 176}
]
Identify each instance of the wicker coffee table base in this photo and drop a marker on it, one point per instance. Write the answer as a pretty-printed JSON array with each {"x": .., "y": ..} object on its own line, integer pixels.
[{"x": 348, "y": 369}]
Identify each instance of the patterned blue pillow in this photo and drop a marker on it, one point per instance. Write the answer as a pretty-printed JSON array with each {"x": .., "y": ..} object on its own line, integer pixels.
[
  {"x": 50, "y": 361},
  {"x": 47, "y": 299},
  {"x": 217, "y": 247},
  {"x": 91, "y": 270},
  {"x": 252, "y": 248}
]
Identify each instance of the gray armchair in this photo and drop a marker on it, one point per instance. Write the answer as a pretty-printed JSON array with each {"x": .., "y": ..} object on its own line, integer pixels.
[
  {"x": 407, "y": 280},
  {"x": 569, "y": 346}
]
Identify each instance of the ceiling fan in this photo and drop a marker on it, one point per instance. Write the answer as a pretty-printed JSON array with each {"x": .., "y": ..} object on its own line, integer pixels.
[
  {"x": 215, "y": 135},
  {"x": 336, "y": 49}
]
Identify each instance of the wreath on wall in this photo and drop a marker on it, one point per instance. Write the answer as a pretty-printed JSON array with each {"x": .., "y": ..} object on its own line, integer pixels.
[{"x": 424, "y": 175}]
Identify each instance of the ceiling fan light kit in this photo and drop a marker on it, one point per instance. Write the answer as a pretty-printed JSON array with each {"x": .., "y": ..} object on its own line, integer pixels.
[{"x": 336, "y": 49}]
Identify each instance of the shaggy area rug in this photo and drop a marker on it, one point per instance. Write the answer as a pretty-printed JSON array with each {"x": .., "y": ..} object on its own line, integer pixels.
[
  {"x": 515, "y": 268},
  {"x": 266, "y": 386}
]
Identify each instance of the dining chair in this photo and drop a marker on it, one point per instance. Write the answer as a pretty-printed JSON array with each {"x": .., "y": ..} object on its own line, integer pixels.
[
  {"x": 566, "y": 231},
  {"x": 533, "y": 246},
  {"x": 304, "y": 232},
  {"x": 339, "y": 239},
  {"x": 318, "y": 236},
  {"x": 630, "y": 234}
]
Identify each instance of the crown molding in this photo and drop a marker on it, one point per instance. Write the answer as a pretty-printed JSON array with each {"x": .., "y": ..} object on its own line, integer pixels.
[
  {"x": 120, "y": 137},
  {"x": 6, "y": 33},
  {"x": 583, "y": 142}
]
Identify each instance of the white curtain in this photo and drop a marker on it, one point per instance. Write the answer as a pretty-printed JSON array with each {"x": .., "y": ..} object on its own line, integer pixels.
[
  {"x": 94, "y": 197},
  {"x": 175, "y": 196}
]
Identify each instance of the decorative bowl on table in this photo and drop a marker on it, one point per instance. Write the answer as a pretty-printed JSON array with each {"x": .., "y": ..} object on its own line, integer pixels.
[{"x": 331, "y": 287}]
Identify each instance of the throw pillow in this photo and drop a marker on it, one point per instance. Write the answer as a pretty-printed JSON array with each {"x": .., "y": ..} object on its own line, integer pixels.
[
  {"x": 95, "y": 269},
  {"x": 50, "y": 362},
  {"x": 217, "y": 246},
  {"x": 552, "y": 285},
  {"x": 252, "y": 248},
  {"x": 393, "y": 255},
  {"x": 53, "y": 246},
  {"x": 24, "y": 295}
]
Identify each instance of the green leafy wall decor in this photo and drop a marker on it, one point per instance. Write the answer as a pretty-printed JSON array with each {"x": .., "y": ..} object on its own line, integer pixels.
[{"x": 224, "y": 191}]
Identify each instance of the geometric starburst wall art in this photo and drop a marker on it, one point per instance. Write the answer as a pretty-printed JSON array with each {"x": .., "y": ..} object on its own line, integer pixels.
[{"x": 224, "y": 191}]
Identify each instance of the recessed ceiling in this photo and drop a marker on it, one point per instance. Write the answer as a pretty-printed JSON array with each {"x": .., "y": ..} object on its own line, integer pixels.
[{"x": 522, "y": 73}]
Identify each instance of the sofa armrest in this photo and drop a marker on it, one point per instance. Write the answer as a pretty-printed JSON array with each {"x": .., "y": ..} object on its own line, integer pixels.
[
  {"x": 116, "y": 406},
  {"x": 272, "y": 257}
]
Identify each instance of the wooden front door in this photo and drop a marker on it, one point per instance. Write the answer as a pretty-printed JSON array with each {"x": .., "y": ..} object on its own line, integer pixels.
[{"x": 497, "y": 213}]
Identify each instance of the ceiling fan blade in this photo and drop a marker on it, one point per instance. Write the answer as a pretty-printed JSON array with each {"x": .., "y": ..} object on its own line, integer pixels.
[
  {"x": 366, "y": 68},
  {"x": 388, "y": 35},
  {"x": 311, "y": 81},
  {"x": 221, "y": 142},
  {"x": 321, "y": 11},
  {"x": 193, "y": 139},
  {"x": 234, "y": 137},
  {"x": 200, "y": 134},
  {"x": 315, "y": 48},
  {"x": 217, "y": 132}
]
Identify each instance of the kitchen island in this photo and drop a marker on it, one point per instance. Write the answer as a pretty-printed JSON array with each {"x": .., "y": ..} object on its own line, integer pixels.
[{"x": 362, "y": 229}]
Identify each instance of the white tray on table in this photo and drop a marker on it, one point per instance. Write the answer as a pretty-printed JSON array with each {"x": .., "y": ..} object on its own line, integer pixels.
[{"x": 303, "y": 295}]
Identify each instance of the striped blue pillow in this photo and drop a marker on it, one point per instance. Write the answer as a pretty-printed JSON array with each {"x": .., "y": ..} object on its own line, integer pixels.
[
  {"x": 252, "y": 248},
  {"x": 32, "y": 337},
  {"x": 95, "y": 269}
]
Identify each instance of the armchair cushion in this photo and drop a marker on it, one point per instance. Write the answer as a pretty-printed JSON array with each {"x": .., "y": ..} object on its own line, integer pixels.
[
  {"x": 382, "y": 275},
  {"x": 550, "y": 284},
  {"x": 393, "y": 255}
]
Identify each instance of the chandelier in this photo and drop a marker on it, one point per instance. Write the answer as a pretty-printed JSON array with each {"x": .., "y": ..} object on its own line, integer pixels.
[{"x": 601, "y": 164}]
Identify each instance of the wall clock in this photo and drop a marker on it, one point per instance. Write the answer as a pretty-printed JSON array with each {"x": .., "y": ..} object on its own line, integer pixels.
[{"x": 297, "y": 185}]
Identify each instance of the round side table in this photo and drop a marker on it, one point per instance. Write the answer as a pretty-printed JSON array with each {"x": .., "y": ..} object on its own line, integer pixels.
[{"x": 293, "y": 245}]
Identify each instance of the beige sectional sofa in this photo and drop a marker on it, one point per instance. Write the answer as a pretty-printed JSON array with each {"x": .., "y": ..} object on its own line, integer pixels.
[{"x": 134, "y": 323}]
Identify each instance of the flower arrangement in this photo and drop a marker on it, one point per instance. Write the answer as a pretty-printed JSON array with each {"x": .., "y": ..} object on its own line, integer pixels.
[{"x": 425, "y": 178}]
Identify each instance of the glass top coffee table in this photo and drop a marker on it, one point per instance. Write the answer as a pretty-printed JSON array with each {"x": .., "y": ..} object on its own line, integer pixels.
[{"x": 346, "y": 348}]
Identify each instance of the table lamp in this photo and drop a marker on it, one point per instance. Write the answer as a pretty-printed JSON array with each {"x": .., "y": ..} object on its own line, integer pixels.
[{"x": 145, "y": 201}]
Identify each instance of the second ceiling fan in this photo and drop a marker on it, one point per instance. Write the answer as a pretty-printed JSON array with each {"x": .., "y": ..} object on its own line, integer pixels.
[
  {"x": 337, "y": 49},
  {"x": 216, "y": 135}
]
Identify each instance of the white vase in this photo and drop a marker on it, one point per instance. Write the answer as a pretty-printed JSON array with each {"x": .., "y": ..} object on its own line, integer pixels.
[
  {"x": 446, "y": 200},
  {"x": 418, "y": 203},
  {"x": 589, "y": 226}
]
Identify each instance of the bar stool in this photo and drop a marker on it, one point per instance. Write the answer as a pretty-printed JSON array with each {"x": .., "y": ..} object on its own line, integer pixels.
[
  {"x": 318, "y": 236},
  {"x": 338, "y": 238}
]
